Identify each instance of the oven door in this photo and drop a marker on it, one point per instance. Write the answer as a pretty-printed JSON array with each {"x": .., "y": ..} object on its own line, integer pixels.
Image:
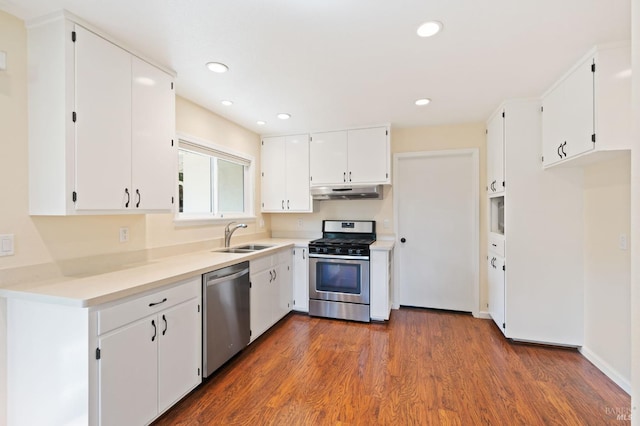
[{"x": 339, "y": 278}]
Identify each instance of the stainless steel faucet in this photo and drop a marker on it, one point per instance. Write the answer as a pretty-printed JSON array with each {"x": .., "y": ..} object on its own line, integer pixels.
[{"x": 228, "y": 232}]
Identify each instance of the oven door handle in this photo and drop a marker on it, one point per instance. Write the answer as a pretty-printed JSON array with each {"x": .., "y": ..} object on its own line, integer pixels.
[{"x": 337, "y": 257}]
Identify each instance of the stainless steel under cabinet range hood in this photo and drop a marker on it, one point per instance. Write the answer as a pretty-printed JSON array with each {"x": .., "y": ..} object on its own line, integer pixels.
[{"x": 347, "y": 192}]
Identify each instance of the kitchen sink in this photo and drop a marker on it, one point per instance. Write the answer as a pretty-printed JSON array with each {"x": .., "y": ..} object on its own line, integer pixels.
[
  {"x": 249, "y": 248},
  {"x": 253, "y": 247},
  {"x": 233, "y": 250}
]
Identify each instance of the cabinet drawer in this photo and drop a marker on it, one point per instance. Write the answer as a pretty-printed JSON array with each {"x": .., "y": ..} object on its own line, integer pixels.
[
  {"x": 496, "y": 244},
  {"x": 284, "y": 256},
  {"x": 261, "y": 264},
  {"x": 127, "y": 312}
]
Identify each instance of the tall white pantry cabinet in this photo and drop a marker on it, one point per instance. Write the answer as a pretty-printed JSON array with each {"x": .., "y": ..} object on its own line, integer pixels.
[{"x": 538, "y": 296}]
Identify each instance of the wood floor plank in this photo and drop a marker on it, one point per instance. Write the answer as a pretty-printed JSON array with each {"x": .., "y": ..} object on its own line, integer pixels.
[{"x": 423, "y": 367}]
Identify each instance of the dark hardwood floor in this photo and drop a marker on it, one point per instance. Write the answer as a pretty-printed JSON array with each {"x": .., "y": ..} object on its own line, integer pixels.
[{"x": 423, "y": 367}]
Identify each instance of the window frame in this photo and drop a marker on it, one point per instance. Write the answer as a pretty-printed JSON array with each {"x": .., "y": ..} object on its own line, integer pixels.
[{"x": 225, "y": 153}]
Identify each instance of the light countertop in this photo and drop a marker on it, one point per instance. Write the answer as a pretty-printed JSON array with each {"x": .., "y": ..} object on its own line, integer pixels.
[{"x": 92, "y": 290}]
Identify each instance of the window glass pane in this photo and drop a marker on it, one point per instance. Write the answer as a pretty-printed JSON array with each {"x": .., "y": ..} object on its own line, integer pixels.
[
  {"x": 230, "y": 187},
  {"x": 195, "y": 182}
]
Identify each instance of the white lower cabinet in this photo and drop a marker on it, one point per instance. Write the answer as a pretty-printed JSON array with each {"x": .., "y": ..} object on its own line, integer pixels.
[
  {"x": 271, "y": 290},
  {"x": 381, "y": 282},
  {"x": 495, "y": 274},
  {"x": 145, "y": 366},
  {"x": 118, "y": 364},
  {"x": 301, "y": 278}
]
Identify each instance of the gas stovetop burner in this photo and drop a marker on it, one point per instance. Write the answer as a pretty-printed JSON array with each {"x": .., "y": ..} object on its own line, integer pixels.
[{"x": 344, "y": 238}]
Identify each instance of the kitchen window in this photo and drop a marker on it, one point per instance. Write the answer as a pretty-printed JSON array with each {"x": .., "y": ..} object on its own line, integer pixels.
[{"x": 213, "y": 183}]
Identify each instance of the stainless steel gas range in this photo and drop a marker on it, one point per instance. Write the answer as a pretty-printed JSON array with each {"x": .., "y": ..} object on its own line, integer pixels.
[{"x": 339, "y": 270}]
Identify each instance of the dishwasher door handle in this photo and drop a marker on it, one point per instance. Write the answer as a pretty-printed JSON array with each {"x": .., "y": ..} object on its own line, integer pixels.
[{"x": 215, "y": 281}]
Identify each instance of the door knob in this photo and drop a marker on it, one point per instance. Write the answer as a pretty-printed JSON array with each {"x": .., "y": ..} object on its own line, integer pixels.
[{"x": 403, "y": 240}]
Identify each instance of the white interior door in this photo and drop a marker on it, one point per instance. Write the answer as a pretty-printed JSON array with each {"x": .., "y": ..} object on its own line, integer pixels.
[{"x": 436, "y": 201}]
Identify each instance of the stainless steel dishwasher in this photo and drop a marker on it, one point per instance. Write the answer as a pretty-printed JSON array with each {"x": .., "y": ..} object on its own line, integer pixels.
[{"x": 225, "y": 323}]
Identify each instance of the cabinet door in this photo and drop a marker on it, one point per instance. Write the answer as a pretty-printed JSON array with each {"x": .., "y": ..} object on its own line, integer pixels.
[
  {"x": 154, "y": 153},
  {"x": 568, "y": 116},
  {"x": 179, "y": 352},
  {"x": 497, "y": 291},
  {"x": 297, "y": 173},
  {"x": 128, "y": 374},
  {"x": 282, "y": 290},
  {"x": 368, "y": 155},
  {"x": 495, "y": 153},
  {"x": 328, "y": 158},
  {"x": 261, "y": 302},
  {"x": 380, "y": 284},
  {"x": 274, "y": 174},
  {"x": 301, "y": 279},
  {"x": 103, "y": 123}
]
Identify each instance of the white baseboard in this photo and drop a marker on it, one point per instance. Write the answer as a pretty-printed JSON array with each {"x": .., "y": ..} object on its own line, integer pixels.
[
  {"x": 482, "y": 315},
  {"x": 609, "y": 371}
]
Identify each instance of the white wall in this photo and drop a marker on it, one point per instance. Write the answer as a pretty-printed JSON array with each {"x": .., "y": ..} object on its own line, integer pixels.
[
  {"x": 635, "y": 214},
  {"x": 607, "y": 274}
]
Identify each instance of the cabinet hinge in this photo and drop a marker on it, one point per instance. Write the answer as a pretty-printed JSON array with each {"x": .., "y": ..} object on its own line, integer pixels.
[
  {"x": 250, "y": 333},
  {"x": 262, "y": 174},
  {"x": 503, "y": 185},
  {"x": 386, "y": 132},
  {"x": 310, "y": 138},
  {"x": 502, "y": 114},
  {"x": 387, "y": 175},
  {"x": 251, "y": 285},
  {"x": 504, "y": 325},
  {"x": 541, "y": 109},
  {"x": 593, "y": 138},
  {"x": 504, "y": 268},
  {"x": 486, "y": 131},
  {"x": 198, "y": 372},
  {"x": 74, "y": 116},
  {"x": 73, "y": 36},
  {"x": 310, "y": 178},
  {"x": 74, "y": 196},
  {"x": 262, "y": 143},
  {"x": 97, "y": 353},
  {"x": 172, "y": 85},
  {"x": 593, "y": 67},
  {"x": 172, "y": 200},
  {"x": 542, "y": 158},
  {"x": 171, "y": 142},
  {"x": 198, "y": 307}
]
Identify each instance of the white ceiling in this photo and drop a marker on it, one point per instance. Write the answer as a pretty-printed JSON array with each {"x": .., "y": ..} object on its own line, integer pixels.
[{"x": 343, "y": 63}]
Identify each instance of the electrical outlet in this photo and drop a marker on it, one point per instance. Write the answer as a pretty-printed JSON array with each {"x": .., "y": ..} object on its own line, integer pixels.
[
  {"x": 6, "y": 245},
  {"x": 300, "y": 223},
  {"x": 124, "y": 235},
  {"x": 261, "y": 223},
  {"x": 622, "y": 242}
]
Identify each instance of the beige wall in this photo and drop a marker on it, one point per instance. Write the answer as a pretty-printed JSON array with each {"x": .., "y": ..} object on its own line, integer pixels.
[
  {"x": 607, "y": 267},
  {"x": 635, "y": 213},
  {"x": 417, "y": 139}
]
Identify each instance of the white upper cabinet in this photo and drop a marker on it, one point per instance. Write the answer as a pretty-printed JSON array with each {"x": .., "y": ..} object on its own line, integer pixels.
[
  {"x": 328, "y": 153},
  {"x": 358, "y": 156},
  {"x": 495, "y": 153},
  {"x": 588, "y": 110},
  {"x": 285, "y": 174},
  {"x": 101, "y": 125},
  {"x": 153, "y": 151},
  {"x": 103, "y": 122}
]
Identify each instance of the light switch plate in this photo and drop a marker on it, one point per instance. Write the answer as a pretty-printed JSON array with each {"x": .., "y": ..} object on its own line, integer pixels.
[{"x": 6, "y": 245}]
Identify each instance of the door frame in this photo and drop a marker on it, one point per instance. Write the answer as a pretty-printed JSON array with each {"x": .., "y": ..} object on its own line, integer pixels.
[{"x": 475, "y": 237}]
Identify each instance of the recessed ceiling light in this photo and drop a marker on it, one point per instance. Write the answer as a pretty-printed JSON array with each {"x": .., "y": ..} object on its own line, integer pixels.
[
  {"x": 429, "y": 29},
  {"x": 284, "y": 116},
  {"x": 261, "y": 122},
  {"x": 423, "y": 101},
  {"x": 217, "y": 67},
  {"x": 226, "y": 103}
]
